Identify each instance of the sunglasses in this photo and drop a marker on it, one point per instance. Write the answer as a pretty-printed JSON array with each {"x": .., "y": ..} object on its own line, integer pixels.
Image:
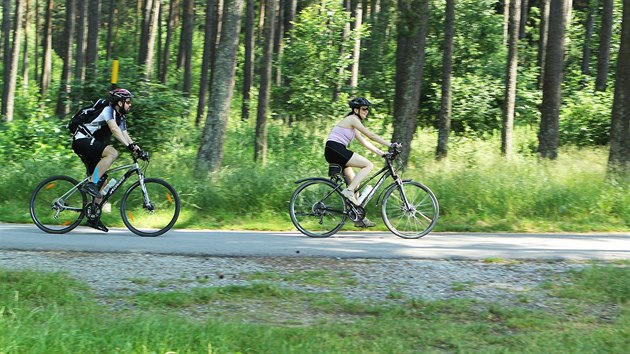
[{"x": 365, "y": 109}]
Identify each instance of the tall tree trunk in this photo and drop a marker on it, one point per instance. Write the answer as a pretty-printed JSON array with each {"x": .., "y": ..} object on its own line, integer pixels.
[
  {"x": 260, "y": 148},
  {"x": 510, "y": 79},
  {"x": 548, "y": 135},
  {"x": 206, "y": 63},
  {"x": 412, "y": 30},
  {"x": 542, "y": 41},
  {"x": 444, "y": 117},
  {"x": 63, "y": 104},
  {"x": 172, "y": 24},
  {"x": 605, "y": 36},
  {"x": 523, "y": 20},
  {"x": 110, "y": 30},
  {"x": 6, "y": 29},
  {"x": 47, "y": 50},
  {"x": 278, "y": 45},
  {"x": 11, "y": 64},
  {"x": 356, "y": 54},
  {"x": 506, "y": 20},
  {"x": 91, "y": 54},
  {"x": 188, "y": 24},
  {"x": 589, "y": 24},
  {"x": 221, "y": 88},
  {"x": 149, "y": 32},
  {"x": 27, "y": 32},
  {"x": 81, "y": 41},
  {"x": 344, "y": 36},
  {"x": 248, "y": 65},
  {"x": 619, "y": 157}
]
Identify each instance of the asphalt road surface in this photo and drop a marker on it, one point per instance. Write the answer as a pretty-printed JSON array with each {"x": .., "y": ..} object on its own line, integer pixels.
[{"x": 346, "y": 244}]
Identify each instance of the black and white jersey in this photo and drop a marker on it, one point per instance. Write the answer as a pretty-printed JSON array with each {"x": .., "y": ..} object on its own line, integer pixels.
[{"x": 98, "y": 127}]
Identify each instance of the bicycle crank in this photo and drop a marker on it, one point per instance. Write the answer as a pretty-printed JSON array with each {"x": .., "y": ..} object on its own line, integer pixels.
[
  {"x": 93, "y": 211},
  {"x": 357, "y": 213}
]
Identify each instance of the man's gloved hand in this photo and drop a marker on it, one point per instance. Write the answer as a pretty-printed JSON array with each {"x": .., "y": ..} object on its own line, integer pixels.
[{"x": 133, "y": 147}]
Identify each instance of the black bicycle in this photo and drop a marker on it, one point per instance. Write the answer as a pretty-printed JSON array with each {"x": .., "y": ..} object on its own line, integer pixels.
[
  {"x": 318, "y": 209},
  {"x": 149, "y": 207}
]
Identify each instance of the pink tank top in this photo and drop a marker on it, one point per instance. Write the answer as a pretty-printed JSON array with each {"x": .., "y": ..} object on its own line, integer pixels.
[{"x": 341, "y": 135}]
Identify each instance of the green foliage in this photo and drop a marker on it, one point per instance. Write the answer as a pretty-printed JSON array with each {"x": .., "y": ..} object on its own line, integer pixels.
[
  {"x": 585, "y": 118},
  {"x": 313, "y": 63}
]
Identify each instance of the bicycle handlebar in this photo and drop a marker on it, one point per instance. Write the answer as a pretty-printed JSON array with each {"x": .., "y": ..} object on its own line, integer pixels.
[
  {"x": 142, "y": 155},
  {"x": 394, "y": 150}
]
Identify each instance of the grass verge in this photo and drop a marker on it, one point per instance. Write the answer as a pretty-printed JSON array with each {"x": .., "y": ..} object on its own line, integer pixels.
[{"x": 52, "y": 313}]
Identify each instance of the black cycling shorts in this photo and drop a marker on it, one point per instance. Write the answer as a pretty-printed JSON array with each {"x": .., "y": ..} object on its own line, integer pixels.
[
  {"x": 90, "y": 151},
  {"x": 337, "y": 153}
]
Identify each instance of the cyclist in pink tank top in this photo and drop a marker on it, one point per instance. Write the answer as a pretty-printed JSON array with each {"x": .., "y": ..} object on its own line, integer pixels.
[{"x": 350, "y": 127}]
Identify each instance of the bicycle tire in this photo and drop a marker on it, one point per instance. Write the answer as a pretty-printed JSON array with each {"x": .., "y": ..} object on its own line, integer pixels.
[
  {"x": 153, "y": 220},
  {"x": 417, "y": 220},
  {"x": 317, "y": 209},
  {"x": 43, "y": 210}
]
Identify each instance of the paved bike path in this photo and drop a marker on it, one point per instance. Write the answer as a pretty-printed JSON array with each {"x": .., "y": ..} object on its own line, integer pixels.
[{"x": 346, "y": 244}]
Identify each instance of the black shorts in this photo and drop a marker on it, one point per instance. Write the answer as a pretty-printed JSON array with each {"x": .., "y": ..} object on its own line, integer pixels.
[
  {"x": 337, "y": 153},
  {"x": 90, "y": 151}
]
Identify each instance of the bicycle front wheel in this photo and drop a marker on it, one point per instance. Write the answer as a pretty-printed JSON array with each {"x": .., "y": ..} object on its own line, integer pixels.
[
  {"x": 410, "y": 210},
  {"x": 317, "y": 209},
  {"x": 151, "y": 211},
  {"x": 57, "y": 204}
]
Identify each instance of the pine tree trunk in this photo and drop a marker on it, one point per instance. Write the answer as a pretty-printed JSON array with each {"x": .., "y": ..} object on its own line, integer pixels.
[
  {"x": 260, "y": 148},
  {"x": 47, "y": 51},
  {"x": 186, "y": 44},
  {"x": 548, "y": 135},
  {"x": 605, "y": 36},
  {"x": 619, "y": 157},
  {"x": 542, "y": 41},
  {"x": 248, "y": 65},
  {"x": 589, "y": 24},
  {"x": 172, "y": 23},
  {"x": 81, "y": 44},
  {"x": 412, "y": 30},
  {"x": 356, "y": 54},
  {"x": 11, "y": 65},
  {"x": 510, "y": 79},
  {"x": 221, "y": 88},
  {"x": 94, "y": 25},
  {"x": 66, "y": 75},
  {"x": 206, "y": 62},
  {"x": 27, "y": 26},
  {"x": 444, "y": 117}
]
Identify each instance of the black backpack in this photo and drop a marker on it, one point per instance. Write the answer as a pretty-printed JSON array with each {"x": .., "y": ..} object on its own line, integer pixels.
[{"x": 86, "y": 115}]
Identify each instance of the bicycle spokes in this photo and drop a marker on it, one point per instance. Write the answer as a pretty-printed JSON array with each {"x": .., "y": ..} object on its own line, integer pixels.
[
  {"x": 409, "y": 210},
  {"x": 317, "y": 209}
]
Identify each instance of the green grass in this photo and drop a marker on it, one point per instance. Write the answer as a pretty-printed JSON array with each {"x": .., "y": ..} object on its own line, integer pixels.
[
  {"x": 51, "y": 313},
  {"x": 478, "y": 189}
]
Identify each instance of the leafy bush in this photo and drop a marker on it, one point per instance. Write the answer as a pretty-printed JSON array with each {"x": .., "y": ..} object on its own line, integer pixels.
[{"x": 585, "y": 118}]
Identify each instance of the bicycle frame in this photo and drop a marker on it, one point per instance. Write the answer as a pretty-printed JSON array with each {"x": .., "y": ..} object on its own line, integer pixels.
[
  {"x": 386, "y": 171},
  {"x": 132, "y": 168}
]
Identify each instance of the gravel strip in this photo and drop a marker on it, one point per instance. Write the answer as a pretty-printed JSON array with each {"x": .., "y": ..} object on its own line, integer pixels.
[{"x": 362, "y": 279}]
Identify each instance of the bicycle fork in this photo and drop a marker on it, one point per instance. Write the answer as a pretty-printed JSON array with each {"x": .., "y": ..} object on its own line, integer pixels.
[{"x": 145, "y": 193}]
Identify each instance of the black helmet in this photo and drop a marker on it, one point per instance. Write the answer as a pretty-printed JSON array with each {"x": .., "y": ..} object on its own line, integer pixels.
[
  {"x": 120, "y": 94},
  {"x": 359, "y": 102}
]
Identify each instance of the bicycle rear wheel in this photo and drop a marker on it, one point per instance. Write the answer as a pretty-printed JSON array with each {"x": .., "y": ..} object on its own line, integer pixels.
[
  {"x": 57, "y": 204},
  {"x": 317, "y": 209},
  {"x": 414, "y": 219},
  {"x": 154, "y": 215}
]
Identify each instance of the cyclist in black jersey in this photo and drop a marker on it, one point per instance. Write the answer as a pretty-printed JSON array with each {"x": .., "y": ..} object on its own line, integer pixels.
[{"x": 90, "y": 142}]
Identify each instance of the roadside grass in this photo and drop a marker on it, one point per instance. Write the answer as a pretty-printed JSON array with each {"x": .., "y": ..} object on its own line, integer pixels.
[
  {"x": 52, "y": 313},
  {"x": 478, "y": 189}
]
